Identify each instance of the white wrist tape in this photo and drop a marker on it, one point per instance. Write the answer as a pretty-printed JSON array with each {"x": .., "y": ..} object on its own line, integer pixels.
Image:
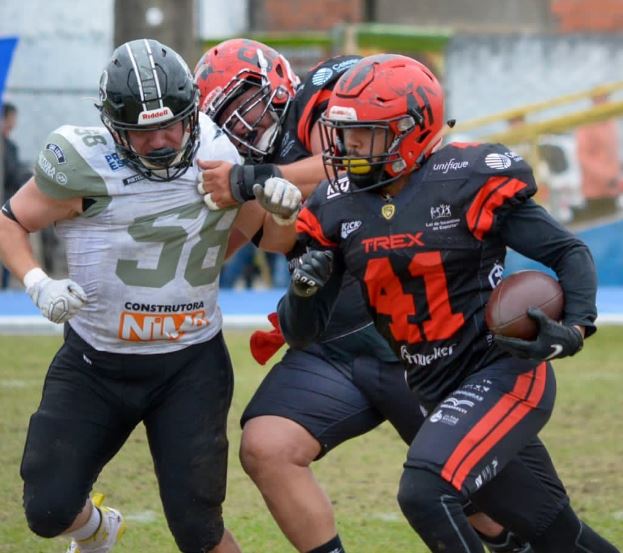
[{"x": 33, "y": 276}]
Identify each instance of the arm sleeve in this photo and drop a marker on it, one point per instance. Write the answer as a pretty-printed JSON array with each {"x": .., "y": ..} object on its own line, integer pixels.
[
  {"x": 531, "y": 231},
  {"x": 303, "y": 320}
]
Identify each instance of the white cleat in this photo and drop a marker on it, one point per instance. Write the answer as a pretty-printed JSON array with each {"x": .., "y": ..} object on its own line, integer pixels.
[{"x": 110, "y": 531}]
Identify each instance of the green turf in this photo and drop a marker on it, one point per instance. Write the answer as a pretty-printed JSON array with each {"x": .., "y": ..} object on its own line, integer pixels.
[{"x": 585, "y": 437}]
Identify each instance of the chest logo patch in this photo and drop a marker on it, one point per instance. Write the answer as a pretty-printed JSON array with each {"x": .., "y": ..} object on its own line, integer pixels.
[{"x": 388, "y": 211}]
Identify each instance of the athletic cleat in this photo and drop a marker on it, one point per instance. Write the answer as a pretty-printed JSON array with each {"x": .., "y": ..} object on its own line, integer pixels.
[{"x": 111, "y": 529}]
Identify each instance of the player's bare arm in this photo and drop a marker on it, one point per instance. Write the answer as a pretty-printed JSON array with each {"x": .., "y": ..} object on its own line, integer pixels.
[
  {"x": 33, "y": 210},
  {"x": 251, "y": 218}
]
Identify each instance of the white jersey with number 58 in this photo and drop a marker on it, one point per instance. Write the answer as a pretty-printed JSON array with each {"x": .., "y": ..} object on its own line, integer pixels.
[{"x": 148, "y": 254}]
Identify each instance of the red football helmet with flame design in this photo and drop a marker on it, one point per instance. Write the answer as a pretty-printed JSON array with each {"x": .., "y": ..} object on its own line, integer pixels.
[
  {"x": 397, "y": 98},
  {"x": 226, "y": 72}
]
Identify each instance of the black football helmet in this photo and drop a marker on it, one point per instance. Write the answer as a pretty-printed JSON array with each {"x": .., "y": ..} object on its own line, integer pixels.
[{"x": 146, "y": 86}]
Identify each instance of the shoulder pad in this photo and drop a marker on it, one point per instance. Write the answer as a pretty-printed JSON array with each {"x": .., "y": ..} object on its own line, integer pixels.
[
  {"x": 67, "y": 164},
  {"x": 461, "y": 160}
]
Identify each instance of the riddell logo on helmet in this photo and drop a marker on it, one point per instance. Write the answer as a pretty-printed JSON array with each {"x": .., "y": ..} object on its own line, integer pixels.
[{"x": 154, "y": 115}]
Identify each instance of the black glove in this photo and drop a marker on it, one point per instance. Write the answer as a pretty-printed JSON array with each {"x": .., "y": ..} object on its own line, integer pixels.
[
  {"x": 554, "y": 340},
  {"x": 242, "y": 178},
  {"x": 310, "y": 272}
]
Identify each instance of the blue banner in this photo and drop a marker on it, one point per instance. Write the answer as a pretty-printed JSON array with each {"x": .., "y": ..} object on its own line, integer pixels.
[{"x": 7, "y": 47}]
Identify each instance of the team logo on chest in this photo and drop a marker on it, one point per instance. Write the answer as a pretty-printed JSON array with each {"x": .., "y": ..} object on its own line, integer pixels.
[{"x": 388, "y": 211}]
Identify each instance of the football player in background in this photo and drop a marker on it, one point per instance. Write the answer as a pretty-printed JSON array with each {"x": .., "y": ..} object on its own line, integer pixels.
[
  {"x": 424, "y": 229},
  {"x": 142, "y": 339},
  {"x": 348, "y": 381}
]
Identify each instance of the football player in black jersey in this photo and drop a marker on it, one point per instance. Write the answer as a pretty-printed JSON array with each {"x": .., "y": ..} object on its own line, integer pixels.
[
  {"x": 348, "y": 381},
  {"x": 424, "y": 229}
]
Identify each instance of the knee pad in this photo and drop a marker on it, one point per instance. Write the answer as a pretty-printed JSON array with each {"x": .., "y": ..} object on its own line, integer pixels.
[
  {"x": 49, "y": 518},
  {"x": 419, "y": 493},
  {"x": 198, "y": 532}
]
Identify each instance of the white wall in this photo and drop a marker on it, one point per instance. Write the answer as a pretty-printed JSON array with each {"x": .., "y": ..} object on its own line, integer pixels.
[
  {"x": 222, "y": 18},
  {"x": 63, "y": 47}
]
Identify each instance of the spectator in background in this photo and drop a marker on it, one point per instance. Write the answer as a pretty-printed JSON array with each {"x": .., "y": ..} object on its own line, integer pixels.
[
  {"x": 598, "y": 154},
  {"x": 14, "y": 173}
]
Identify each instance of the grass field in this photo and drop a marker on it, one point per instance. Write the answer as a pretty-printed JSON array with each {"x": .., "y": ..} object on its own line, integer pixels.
[{"x": 585, "y": 437}]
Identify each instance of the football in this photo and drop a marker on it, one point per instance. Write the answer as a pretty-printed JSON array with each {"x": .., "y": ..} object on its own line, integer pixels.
[{"x": 506, "y": 311}]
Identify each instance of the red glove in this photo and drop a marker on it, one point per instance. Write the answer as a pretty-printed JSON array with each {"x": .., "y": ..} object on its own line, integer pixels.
[{"x": 264, "y": 344}]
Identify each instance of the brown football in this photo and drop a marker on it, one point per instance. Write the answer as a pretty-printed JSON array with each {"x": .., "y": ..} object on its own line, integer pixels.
[{"x": 506, "y": 311}]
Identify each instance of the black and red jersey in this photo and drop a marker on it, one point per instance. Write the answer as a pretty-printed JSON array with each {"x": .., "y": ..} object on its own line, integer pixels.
[
  {"x": 428, "y": 258},
  {"x": 350, "y": 313},
  {"x": 309, "y": 103}
]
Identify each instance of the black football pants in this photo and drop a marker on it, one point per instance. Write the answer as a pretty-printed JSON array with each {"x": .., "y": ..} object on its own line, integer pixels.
[{"x": 91, "y": 403}]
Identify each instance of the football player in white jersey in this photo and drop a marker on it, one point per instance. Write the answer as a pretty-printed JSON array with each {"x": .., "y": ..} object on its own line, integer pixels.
[{"x": 143, "y": 338}]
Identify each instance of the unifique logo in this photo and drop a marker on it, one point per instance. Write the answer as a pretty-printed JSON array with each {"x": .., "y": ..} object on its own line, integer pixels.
[
  {"x": 348, "y": 228},
  {"x": 498, "y": 161},
  {"x": 61, "y": 178},
  {"x": 57, "y": 151},
  {"x": 450, "y": 165},
  {"x": 322, "y": 76},
  {"x": 388, "y": 211},
  {"x": 441, "y": 211}
]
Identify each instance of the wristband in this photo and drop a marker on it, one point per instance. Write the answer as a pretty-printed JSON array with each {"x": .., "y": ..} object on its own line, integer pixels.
[
  {"x": 242, "y": 178},
  {"x": 33, "y": 276}
]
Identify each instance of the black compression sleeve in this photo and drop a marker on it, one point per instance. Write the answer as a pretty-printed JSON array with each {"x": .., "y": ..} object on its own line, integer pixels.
[
  {"x": 303, "y": 320},
  {"x": 531, "y": 231}
]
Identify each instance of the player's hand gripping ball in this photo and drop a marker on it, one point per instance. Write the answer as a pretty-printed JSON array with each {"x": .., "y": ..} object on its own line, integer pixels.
[{"x": 507, "y": 309}]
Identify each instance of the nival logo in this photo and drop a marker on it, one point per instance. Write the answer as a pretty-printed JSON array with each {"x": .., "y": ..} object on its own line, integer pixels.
[
  {"x": 154, "y": 115},
  {"x": 148, "y": 327},
  {"x": 348, "y": 228}
]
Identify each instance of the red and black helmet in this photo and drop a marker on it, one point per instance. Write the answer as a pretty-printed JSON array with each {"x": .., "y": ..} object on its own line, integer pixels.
[
  {"x": 391, "y": 93},
  {"x": 234, "y": 66}
]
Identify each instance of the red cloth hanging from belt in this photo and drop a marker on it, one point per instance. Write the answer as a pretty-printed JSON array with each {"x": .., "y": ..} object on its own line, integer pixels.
[{"x": 265, "y": 343}]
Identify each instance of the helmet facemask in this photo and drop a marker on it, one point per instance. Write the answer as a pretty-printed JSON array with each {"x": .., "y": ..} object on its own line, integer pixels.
[
  {"x": 382, "y": 164},
  {"x": 147, "y": 87},
  {"x": 245, "y": 122},
  {"x": 164, "y": 164}
]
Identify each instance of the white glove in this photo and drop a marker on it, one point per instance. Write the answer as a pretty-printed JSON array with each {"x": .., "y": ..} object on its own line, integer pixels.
[
  {"x": 279, "y": 197},
  {"x": 58, "y": 300}
]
